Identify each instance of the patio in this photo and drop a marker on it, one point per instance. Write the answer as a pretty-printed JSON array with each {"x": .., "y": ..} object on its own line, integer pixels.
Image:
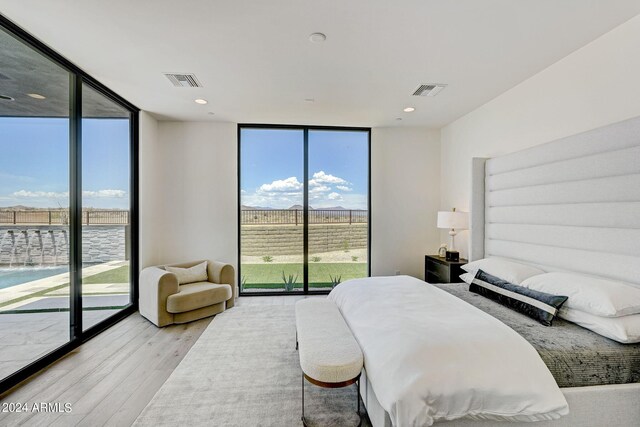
[{"x": 34, "y": 316}]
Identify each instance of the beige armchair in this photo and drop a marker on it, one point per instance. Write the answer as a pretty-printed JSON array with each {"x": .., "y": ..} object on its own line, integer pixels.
[{"x": 163, "y": 301}]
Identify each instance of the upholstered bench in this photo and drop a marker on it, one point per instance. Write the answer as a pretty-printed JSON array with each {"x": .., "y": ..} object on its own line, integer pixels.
[{"x": 329, "y": 354}]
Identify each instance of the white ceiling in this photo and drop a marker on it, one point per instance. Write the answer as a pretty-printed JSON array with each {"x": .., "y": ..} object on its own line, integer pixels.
[{"x": 257, "y": 64}]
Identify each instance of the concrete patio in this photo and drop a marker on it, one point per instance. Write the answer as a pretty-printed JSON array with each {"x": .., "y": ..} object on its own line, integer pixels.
[{"x": 34, "y": 316}]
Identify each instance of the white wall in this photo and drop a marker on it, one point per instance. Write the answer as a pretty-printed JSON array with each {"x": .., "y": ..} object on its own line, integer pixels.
[
  {"x": 405, "y": 183},
  {"x": 148, "y": 199},
  {"x": 597, "y": 85},
  {"x": 192, "y": 212},
  {"x": 188, "y": 189}
]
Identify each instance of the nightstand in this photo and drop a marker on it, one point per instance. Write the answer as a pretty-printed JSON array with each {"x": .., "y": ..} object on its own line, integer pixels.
[{"x": 439, "y": 270}]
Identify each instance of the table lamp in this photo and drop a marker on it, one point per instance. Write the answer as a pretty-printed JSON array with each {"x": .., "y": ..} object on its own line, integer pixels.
[{"x": 454, "y": 221}]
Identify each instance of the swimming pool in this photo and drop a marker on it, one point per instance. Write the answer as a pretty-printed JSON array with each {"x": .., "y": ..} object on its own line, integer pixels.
[{"x": 18, "y": 275}]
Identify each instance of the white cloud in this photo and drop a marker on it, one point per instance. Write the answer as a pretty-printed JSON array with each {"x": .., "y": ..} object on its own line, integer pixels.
[
  {"x": 281, "y": 185},
  {"x": 113, "y": 194},
  {"x": 321, "y": 177},
  {"x": 279, "y": 194},
  {"x": 320, "y": 189},
  {"x": 323, "y": 192},
  {"x": 101, "y": 194},
  {"x": 24, "y": 194}
]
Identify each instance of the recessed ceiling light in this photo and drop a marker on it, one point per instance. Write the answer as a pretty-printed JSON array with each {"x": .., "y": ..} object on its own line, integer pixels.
[
  {"x": 409, "y": 110},
  {"x": 309, "y": 100},
  {"x": 398, "y": 118},
  {"x": 211, "y": 113},
  {"x": 36, "y": 96},
  {"x": 201, "y": 101},
  {"x": 317, "y": 37},
  {"x": 6, "y": 98}
]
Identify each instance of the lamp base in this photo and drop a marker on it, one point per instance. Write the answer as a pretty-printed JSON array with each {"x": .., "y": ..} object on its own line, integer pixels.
[{"x": 453, "y": 256}]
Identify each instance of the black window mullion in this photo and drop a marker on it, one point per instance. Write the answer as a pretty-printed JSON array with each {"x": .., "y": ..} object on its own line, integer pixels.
[
  {"x": 305, "y": 214},
  {"x": 75, "y": 206},
  {"x": 133, "y": 209},
  {"x": 369, "y": 204}
]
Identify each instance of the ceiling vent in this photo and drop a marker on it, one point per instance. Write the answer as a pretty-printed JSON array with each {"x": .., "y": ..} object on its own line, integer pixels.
[
  {"x": 183, "y": 80},
  {"x": 429, "y": 89}
]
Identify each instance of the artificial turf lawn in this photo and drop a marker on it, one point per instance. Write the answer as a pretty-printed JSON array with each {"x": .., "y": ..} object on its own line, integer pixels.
[
  {"x": 115, "y": 275},
  {"x": 269, "y": 275}
]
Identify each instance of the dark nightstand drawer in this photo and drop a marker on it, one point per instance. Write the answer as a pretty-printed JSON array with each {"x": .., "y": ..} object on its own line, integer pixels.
[{"x": 439, "y": 270}]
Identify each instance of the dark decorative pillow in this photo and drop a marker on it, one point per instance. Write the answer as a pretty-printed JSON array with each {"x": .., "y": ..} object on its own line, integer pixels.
[{"x": 538, "y": 305}]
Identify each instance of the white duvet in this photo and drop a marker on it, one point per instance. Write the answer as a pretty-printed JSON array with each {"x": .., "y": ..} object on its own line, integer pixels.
[{"x": 431, "y": 356}]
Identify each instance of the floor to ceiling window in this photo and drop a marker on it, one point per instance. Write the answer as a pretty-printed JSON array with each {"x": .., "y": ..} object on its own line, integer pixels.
[
  {"x": 66, "y": 197},
  {"x": 304, "y": 207},
  {"x": 106, "y": 226}
]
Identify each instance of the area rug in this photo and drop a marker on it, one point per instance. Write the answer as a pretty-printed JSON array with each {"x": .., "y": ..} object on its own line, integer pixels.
[{"x": 244, "y": 371}]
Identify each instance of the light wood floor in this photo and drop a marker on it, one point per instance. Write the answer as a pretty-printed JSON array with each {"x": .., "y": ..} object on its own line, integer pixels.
[{"x": 110, "y": 379}]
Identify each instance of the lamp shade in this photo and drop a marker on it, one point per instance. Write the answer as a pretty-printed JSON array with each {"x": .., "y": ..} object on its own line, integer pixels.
[{"x": 456, "y": 220}]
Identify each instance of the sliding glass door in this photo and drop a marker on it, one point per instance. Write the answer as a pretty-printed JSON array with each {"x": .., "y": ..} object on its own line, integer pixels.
[
  {"x": 106, "y": 225},
  {"x": 338, "y": 196},
  {"x": 67, "y": 206},
  {"x": 271, "y": 210},
  {"x": 304, "y": 208},
  {"x": 34, "y": 205}
]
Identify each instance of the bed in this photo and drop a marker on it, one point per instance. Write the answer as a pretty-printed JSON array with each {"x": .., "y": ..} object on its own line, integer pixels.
[
  {"x": 569, "y": 205},
  {"x": 575, "y": 356}
]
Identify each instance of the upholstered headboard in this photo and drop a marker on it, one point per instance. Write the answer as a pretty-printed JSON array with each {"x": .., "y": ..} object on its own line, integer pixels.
[{"x": 568, "y": 205}]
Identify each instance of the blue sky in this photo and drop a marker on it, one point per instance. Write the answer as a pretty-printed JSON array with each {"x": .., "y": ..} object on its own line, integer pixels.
[
  {"x": 34, "y": 162},
  {"x": 272, "y": 168}
]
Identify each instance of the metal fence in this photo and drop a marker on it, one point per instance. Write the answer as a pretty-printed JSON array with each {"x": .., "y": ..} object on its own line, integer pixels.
[
  {"x": 262, "y": 216},
  {"x": 61, "y": 217},
  {"x": 296, "y": 216}
]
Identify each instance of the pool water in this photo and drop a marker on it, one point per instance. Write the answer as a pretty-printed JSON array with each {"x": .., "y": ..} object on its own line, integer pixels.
[{"x": 18, "y": 275}]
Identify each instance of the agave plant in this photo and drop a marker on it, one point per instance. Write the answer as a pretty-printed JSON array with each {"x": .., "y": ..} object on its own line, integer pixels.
[
  {"x": 289, "y": 282},
  {"x": 243, "y": 282},
  {"x": 315, "y": 259},
  {"x": 267, "y": 258},
  {"x": 335, "y": 281}
]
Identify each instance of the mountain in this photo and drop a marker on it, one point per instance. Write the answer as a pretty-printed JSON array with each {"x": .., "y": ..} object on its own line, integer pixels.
[
  {"x": 32, "y": 208},
  {"x": 18, "y": 208},
  {"x": 336, "y": 208},
  {"x": 294, "y": 207},
  {"x": 254, "y": 208}
]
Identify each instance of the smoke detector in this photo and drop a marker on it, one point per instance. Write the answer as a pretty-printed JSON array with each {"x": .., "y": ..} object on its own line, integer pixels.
[
  {"x": 431, "y": 89},
  {"x": 183, "y": 80}
]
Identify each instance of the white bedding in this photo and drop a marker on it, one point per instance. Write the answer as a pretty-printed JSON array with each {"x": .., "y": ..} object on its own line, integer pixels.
[{"x": 431, "y": 356}]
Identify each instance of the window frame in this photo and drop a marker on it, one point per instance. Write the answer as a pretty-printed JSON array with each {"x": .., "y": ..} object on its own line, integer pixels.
[
  {"x": 306, "y": 129},
  {"x": 78, "y": 77}
]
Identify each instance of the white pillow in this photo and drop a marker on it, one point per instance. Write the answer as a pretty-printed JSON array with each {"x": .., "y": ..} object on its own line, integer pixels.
[
  {"x": 512, "y": 272},
  {"x": 197, "y": 273},
  {"x": 625, "y": 329},
  {"x": 467, "y": 277},
  {"x": 600, "y": 297}
]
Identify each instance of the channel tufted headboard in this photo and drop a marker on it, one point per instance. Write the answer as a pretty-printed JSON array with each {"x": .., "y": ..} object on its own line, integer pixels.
[{"x": 568, "y": 205}]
